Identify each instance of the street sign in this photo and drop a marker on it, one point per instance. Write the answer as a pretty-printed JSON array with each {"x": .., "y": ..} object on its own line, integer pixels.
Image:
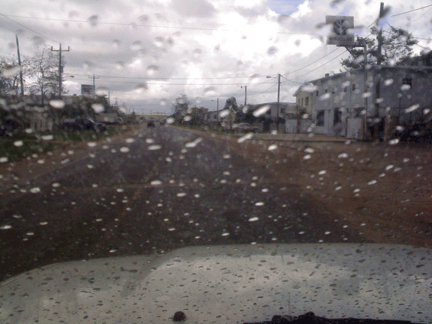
[
  {"x": 339, "y": 30},
  {"x": 87, "y": 89}
]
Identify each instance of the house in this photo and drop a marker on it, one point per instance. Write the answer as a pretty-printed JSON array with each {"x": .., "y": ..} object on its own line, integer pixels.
[
  {"x": 212, "y": 118},
  {"x": 305, "y": 100},
  {"x": 360, "y": 103},
  {"x": 286, "y": 109}
]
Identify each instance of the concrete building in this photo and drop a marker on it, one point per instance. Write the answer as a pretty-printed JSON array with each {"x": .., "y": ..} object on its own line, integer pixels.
[
  {"x": 286, "y": 109},
  {"x": 212, "y": 117},
  {"x": 362, "y": 103}
]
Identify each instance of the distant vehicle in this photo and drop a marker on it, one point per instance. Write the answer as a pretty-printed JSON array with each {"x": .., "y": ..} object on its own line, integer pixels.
[
  {"x": 80, "y": 124},
  {"x": 151, "y": 123},
  {"x": 245, "y": 127}
]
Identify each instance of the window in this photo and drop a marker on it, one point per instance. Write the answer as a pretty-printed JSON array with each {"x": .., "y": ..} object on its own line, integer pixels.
[
  {"x": 325, "y": 91},
  {"x": 282, "y": 110},
  {"x": 337, "y": 117},
  {"x": 307, "y": 101},
  {"x": 345, "y": 89},
  {"x": 301, "y": 102},
  {"x": 407, "y": 81},
  {"x": 353, "y": 86},
  {"x": 317, "y": 93},
  {"x": 320, "y": 118}
]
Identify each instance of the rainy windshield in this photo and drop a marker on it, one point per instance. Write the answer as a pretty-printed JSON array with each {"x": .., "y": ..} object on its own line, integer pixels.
[{"x": 138, "y": 128}]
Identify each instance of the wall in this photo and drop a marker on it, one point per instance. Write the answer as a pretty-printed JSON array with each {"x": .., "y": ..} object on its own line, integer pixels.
[
  {"x": 420, "y": 93},
  {"x": 352, "y": 102},
  {"x": 291, "y": 126}
]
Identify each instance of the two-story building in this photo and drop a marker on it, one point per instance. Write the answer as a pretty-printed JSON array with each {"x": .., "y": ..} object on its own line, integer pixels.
[{"x": 381, "y": 93}]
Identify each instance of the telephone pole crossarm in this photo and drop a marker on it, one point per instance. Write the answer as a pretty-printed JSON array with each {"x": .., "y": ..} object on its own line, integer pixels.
[{"x": 60, "y": 66}]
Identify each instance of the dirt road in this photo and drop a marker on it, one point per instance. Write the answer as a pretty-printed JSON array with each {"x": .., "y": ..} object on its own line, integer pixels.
[{"x": 164, "y": 188}]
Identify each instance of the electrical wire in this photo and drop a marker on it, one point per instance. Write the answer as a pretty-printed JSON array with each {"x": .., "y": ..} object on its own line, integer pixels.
[
  {"x": 30, "y": 29},
  {"x": 139, "y": 78},
  {"x": 160, "y": 83},
  {"x": 260, "y": 93},
  {"x": 403, "y": 13},
  {"x": 291, "y": 80},
  {"x": 152, "y": 26},
  {"x": 322, "y": 64}
]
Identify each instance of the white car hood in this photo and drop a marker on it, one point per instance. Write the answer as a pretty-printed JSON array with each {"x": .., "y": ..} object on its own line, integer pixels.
[{"x": 228, "y": 284}]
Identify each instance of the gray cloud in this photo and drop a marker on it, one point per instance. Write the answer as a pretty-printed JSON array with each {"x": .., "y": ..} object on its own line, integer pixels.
[{"x": 194, "y": 8}]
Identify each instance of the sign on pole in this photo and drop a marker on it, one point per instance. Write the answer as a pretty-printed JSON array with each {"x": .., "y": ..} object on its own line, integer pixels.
[
  {"x": 339, "y": 30},
  {"x": 87, "y": 89}
]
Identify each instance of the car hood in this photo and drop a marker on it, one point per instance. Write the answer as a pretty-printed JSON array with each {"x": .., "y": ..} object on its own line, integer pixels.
[{"x": 228, "y": 284}]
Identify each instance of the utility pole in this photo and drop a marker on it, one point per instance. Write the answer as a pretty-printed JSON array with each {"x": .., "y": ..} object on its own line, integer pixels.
[
  {"x": 217, "y": 109},
  {"x": 60, "y": 66},
  {"x": 94, "y": 83},
  {"x": 378, "y": 78},
  {"x": 277, "y": 107},
  {"x": 381, "y": 14},
  {"x": 365, "y": 87},
  {"x": 245, "y": 93},
  {"x": 19, "y": 63}
]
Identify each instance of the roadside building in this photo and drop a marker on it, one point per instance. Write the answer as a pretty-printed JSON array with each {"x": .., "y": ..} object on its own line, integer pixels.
[
  {"x": 212, "y": 118},
  {"x": 358, "y": 103},
  {"x": 286, "y": 109}
]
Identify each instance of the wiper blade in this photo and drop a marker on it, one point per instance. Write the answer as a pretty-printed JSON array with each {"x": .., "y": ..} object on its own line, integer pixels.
[{"x": 311, "y": 318}]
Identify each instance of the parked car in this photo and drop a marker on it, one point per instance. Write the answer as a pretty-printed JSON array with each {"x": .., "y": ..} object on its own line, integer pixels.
[
  {"x": 245, "y": 127},
  {"x": 80, "y": 124},
  {"x": 151, "y": 123}
]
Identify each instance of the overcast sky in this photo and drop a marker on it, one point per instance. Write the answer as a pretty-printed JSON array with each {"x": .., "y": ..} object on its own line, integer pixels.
[{"x": 148, "y": 52}]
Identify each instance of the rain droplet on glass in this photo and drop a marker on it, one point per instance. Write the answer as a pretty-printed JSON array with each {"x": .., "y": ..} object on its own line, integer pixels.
[
  {"x": 245, "y": 137},
  {"x": 93, "y": 20},
  {"x": 59, "y": 104},
  {"x": 152, "y": 70},
  {"x": 261, "y": 110},
  {"x": 98, "y": 108},
  {"x": 210, "y": 91},
  {"x": 272, "y": 147},
  {"x": 272, "y": 50},
  {"x": 154, "y": 147}
]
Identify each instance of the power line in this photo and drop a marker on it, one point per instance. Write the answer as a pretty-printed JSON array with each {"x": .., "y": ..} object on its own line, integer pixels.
[
  {"x": 30, "y": 29},
  {"x": 185, "y": 84},
  {"x": 291, "y": 80},
  {"x": 139, "y": 78},
  {"x": 259, "y": 93},
  {"x": 322, "y": 64},
  {"x": 153, "y": 26},
  {"x": 314, "y": 61},
  {"x": 402, "y": 13}
]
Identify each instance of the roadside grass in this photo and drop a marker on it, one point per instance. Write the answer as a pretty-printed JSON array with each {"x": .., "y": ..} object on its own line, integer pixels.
[
  {"x": 23, "y": 145},
  {"x": 209, "y": 128}
]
